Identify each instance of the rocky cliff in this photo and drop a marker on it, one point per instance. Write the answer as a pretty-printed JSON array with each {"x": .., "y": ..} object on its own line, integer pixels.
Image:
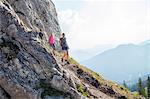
[{"x": 29, "y": 69}]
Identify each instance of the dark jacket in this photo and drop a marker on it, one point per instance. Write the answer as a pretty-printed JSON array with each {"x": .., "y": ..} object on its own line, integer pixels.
[{"x": 63, "y": 43}]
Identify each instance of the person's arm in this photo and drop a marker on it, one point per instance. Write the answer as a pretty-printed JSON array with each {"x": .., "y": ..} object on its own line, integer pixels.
[
  {"x": 49, "y": 39},
  {"x": 60, "y": 40}
]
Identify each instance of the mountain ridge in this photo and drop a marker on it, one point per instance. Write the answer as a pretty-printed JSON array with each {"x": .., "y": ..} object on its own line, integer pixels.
[{"x": 127, "y": 57}]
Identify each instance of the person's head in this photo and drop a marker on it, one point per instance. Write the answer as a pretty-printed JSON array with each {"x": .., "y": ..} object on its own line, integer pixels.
[
  {"x": 52, "y": 34},
  {"x": 63, "y": 34}
]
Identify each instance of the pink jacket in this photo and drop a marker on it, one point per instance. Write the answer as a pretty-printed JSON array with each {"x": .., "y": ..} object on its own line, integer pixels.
[{"x": 51, "y": 39}]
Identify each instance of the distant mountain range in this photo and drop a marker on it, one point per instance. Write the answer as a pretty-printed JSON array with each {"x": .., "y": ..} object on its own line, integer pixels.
[
  {"x": 85, "y": 54},
  {"x": 125, "y": 62}
]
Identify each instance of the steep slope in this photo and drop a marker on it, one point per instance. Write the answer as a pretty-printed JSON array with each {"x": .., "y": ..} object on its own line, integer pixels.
[
  {"x": 92, "y": 80},
  {"x": 124, "y": 62},
  {"x": 28, "y": 68}
]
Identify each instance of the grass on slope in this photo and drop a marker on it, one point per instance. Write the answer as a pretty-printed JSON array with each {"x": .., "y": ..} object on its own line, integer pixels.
[{"x": 117, "y": 88}]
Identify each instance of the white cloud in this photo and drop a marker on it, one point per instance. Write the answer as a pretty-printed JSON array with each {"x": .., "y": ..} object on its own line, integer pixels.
[
  {"x": 71, "y": 21},
  {"x": 106, "y": 22}
]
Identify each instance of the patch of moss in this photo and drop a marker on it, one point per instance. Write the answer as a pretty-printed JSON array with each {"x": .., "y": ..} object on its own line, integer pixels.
[
  {"x": 135, "y": 94},
  {"x": 82, "y": 90}
]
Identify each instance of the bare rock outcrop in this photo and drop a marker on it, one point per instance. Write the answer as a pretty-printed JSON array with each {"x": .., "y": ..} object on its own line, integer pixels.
[
  {"x": 24, "y": 62},
  {"x": 35, "y": 15}
]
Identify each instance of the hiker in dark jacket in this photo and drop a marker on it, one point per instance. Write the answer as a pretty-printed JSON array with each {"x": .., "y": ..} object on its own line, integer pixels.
[{"x": 65, "y": 47}]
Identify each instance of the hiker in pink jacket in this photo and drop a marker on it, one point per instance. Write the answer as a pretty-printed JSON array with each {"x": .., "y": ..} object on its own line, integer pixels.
[{"x": 52, "y": 42}]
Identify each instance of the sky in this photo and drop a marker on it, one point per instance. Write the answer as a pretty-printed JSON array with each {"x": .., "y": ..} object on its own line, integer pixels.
[{"x": 88, "y": 23}]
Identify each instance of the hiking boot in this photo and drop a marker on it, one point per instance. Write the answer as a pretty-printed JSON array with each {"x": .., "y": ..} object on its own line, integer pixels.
[{"x": 62, "y": 60}]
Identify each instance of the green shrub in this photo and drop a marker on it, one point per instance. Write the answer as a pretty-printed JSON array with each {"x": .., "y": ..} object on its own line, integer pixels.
[{"x": 82, "y": 90}]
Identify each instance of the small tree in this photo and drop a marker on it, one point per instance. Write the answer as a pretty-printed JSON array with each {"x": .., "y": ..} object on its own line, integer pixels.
[
  {"x": 140, "y": 86},
  {"x": 124, "y": 84},
  {"x": 141, "y": 89},
  {"x": 148, "y": 87}
]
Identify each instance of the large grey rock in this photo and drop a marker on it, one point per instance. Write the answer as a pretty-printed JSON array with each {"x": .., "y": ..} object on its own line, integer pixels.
[
  {"x": 54, "y": 97},
  {"x": 37, "y": 15},
  {"x": 16, "y": 91},
  {"x": 24, "y": 62},
  {"x": 12, "y": 30},
  {"x": 4, "y": 94}
]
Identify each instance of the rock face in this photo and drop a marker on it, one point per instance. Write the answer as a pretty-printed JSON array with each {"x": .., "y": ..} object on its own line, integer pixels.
[
  {"x": 24, "y": 62},
  {"x": 35, "y": 15},
  {"x": 28, "y": 68}
]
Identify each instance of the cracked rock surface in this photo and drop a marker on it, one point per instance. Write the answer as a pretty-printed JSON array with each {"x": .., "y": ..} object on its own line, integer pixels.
[{"x": 24, "y": 63}]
